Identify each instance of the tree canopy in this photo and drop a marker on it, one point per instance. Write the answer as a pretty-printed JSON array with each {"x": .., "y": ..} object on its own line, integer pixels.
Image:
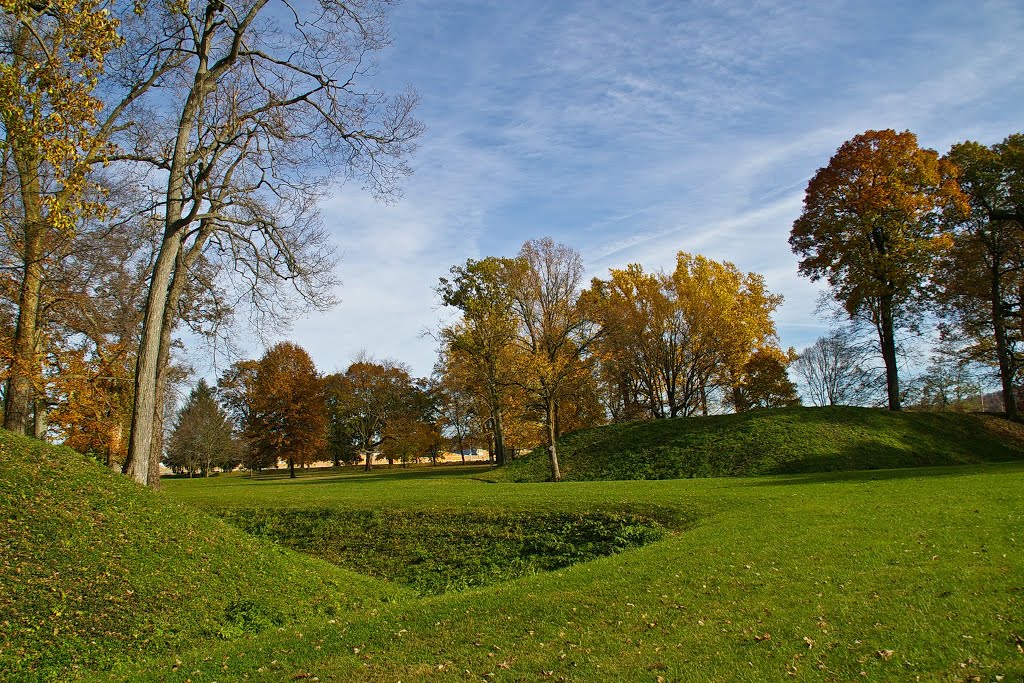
[{"x": 871, "y": 226}]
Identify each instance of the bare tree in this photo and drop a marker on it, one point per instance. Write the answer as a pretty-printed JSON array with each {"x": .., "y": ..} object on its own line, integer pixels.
[
  {"x": 264, "y": 105},
  {"x": 836, "y": 370}
]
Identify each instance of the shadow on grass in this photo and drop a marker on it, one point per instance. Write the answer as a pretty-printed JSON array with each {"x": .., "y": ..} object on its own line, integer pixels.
[
  {"x": 378, "y": 474},
  {"x": 889, "y": 474}
]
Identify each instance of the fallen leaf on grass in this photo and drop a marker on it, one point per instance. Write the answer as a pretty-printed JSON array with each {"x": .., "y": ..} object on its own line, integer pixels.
[
  {"x": 886, "y": 654},
  {"x": 766, "y": 636}
]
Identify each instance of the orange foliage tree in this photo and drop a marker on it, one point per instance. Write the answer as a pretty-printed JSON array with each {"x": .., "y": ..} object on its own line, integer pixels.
[
  {"x": 286, "y": 413},
  {"x": 871, "y": 227}
]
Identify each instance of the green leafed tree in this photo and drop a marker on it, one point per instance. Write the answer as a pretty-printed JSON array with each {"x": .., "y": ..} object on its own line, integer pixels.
[
  {"x": 981, "y": 277},
  {"x": 871, "y": 226},
  {"x": 202, "y": 436}
]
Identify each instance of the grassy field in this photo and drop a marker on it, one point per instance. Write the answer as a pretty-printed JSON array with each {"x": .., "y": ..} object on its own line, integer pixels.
[
  {"x": 780, "y": 441},
  {"x": 902, "y": 574}
]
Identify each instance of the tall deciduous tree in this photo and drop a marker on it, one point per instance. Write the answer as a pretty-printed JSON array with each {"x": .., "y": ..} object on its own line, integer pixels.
[
  {"x": 368, "y": 400},
  {"x": 834, "y": 370},
  {"x": 553, "y": 328},
  {"x": 670, "y": 339},
  {"x": 286, "y": 413},
  {"x": 981, "y": 278},
  {"x": 728, "y": 316},
  {"x": 263, "y": 107},
  {"x": 871, "y": 227},
  {"x": 479, "y": 346},
  {"x": 52, "y": 55}
]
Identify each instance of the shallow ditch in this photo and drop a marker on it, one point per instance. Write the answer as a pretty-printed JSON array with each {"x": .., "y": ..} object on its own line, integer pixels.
[{"x": 434, "y": 552}]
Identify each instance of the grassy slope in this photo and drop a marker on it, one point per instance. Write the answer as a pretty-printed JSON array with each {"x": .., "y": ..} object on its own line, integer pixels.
[
  {"x": 94, "y": 569},
  {"x": 901, "y": 574},
  {"x": 775, "y": 441}
]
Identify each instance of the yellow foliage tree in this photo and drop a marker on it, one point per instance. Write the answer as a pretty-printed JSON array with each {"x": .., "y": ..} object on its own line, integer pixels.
[
  {"x": 54, "y": 55},
  {"x": 671, "y": 338}
]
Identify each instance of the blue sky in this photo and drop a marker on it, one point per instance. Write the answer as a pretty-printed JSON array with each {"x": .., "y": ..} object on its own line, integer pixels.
[{"x": 633, "y": 130}]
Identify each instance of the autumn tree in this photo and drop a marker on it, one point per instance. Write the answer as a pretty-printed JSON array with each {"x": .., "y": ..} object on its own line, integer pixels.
[
  {"x": 479, "y": 345},
  {"x": 456, "y": 407},
  {"x": 202, "y": 435},
  {"x": 981, "y": 277},
  {"x": 263, "y": 107},
  {"x": 52, "y": 55},
  {"x": 368, "y": 400},
  {"x": 765, "y": 383},
  {"x": 672, "y": 338},
  {"x": 286, "y": 415},
  {"x": 640, "y": 354},
  {"x": 871, "y": 227},
  {"x": 728, "y": 316},
  {"x": 553, "y": 329}
]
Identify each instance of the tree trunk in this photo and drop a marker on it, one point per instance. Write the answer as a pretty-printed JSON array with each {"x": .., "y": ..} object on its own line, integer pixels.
[
  {"x": 556, "y": 473},
  {"x": 39, "y": 419},
  {"x": 499, "y": 436},
  {"x": 175, "y": 291},
  {"x": 291, "y": 468},
  {"x": 24, "y": 365},
  {"x": 886, "y": 336},
  {"x": 369, "y": 462},
  {"x": 147, "y": 368},
  {"x": 1002, "y": 349}
]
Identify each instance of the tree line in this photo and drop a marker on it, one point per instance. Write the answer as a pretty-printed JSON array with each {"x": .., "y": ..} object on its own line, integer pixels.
[
  {"x": 904, "y": 236},
  {"x": 161, "y": 168},
  {"x": 531, "y": 356}
]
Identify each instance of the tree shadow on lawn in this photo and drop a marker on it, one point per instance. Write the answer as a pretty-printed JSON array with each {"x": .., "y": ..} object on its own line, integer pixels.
[
  {"x": 385, "y": 475},
  {"x": 857, "y": 476}
]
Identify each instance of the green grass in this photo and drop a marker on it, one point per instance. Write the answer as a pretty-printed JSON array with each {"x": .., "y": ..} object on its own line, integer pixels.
[
  {"x": 786, "y": 440},
  {"x": 836, "y": 569},
  {"x": 908, "y": 574},
  {"x": 95, "y": 570}
]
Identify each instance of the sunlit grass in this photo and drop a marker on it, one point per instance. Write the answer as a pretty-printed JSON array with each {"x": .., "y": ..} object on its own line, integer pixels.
[{"x": 884, "y": 575}]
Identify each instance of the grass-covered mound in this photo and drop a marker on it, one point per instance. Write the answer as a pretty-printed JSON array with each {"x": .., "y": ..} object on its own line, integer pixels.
[
  {"x": 787, "y": 440},
  {"x": 95, "y": 569}
]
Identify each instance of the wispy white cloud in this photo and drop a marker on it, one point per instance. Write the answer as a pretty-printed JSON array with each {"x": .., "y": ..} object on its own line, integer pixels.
[{"x": 633, "y": 130}]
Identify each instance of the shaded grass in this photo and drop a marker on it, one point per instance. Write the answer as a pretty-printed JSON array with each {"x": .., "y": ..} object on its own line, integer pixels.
[
  {"x": 95, "y": 570},
  {"x": 786, "y": 440},
  {"x": 438, "y": 551}
]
